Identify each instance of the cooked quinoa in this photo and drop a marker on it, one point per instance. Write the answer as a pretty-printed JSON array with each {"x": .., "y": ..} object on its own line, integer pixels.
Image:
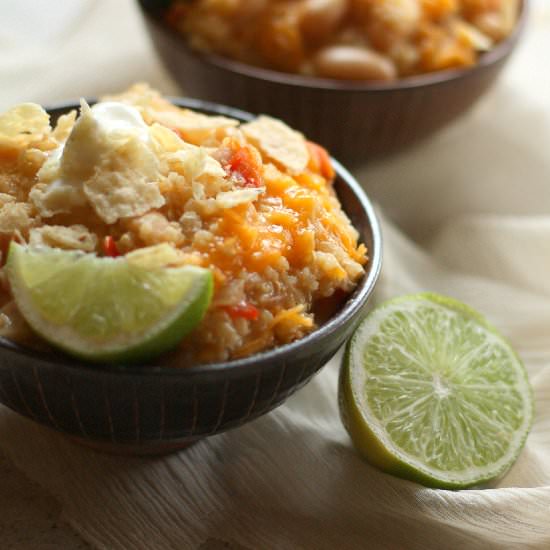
[{"x": 252, "y": 202}]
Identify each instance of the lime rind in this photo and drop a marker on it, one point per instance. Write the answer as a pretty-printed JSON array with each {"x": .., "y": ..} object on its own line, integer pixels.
[
  {"x": 371, "y": 434},
  {"x": 106, "y": 309}
]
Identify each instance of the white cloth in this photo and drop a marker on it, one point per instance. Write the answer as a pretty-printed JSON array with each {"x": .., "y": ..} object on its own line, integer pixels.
[{"x": 475, "y": 198}]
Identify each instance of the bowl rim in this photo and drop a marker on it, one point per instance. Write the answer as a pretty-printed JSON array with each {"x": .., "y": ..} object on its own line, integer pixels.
[
  {"x": 500, "y": 51},
  {"x": 354, "y": 303}
]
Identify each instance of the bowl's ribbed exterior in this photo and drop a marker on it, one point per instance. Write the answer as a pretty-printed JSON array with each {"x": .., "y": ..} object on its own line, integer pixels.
[
  {"x": 148, "y": 412},
  {"x": 353, "y": 124}
]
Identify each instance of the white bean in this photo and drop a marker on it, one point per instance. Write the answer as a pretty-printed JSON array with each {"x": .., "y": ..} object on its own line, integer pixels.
[
  {"x": 353, "y": 63},
  {"x": 320, "y": 18},
  {"x": 491, "y": 24},
  {"x": 251, "y": 8},
  {"x": 398, "y": 16}
]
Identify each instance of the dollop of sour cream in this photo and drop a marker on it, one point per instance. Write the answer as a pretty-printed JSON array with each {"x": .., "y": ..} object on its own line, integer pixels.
[
  {"x": 117, "y": 118},
  {"x": 96, "y": 134}
]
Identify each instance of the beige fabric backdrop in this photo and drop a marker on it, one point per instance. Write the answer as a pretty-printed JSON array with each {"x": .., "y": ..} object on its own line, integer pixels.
[{"x": 476, "y": 199}]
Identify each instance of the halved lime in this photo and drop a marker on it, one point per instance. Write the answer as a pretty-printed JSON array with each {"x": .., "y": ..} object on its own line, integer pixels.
[
  {"x": 107, "y": 309},
  {"x": 429, "y": 391}
]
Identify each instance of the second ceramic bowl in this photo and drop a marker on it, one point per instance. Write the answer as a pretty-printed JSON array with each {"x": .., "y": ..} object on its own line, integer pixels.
[{"x": 354, "y": 121}]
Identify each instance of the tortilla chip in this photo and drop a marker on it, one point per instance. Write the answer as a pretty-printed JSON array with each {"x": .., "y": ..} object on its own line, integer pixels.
[
  {"x": 122, "y": 195},
  {"x": 278, "y": 142},
  {"x": 125, "y": 184},
  {"x": 193, "y": 127},
  {"x": 78, "y": 162},
  {"x": 165, "y": 140},
  {"x": 153, "y": 257},
  {"x": 56, "y": 198},
  {"x": 31, "y": 160},
  {"x": 230, "y": 199},
  {"x": 26, "y": 118},
  {"x": 203, "y": 172},
  {"x": 141, "y": 96},
  {"x": 64, "y": 126},
  {"x": 75, "y": 237},
  {"x": 15, "y": 216},
  {"x": 154, "y": 228},
  {"x": 5, "y": 198},
  {"x": 50, "y": 170}
]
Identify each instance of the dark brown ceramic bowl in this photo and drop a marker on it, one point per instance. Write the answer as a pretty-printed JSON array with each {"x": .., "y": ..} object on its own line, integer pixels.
[
  {"x": 354, "y": 121},
  {"x": 155, "y": 408}
]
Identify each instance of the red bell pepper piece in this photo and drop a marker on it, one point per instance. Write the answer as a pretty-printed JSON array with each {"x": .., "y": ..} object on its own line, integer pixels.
[
  {"x": 321, "y": 160},
  {"x": 243, "y": 311},
  {"x": 110, "y": 248},
  {"x": 245, "y": 164}
]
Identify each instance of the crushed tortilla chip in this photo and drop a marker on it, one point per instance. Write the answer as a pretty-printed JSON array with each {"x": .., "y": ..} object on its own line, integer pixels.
[
  {"x": 15, "y": 216},
  {"x": 74, "y": 237},
  {"x": 116, "y": 195},
  {"x": 165, "y": 140},
  {"x": 5, "y": 198},
  {"x": 197, "y": 167},
  {"x": 153, "y": 257},
  {"x": 278, "y": 142},
  {"x": 50, "y": 170},
  {"x": 153, "y": 228},
  {"x": 191, "y": 126},
  {"x": 56, "y": 198},
  {"x": 64, "y": 126},
  {"x": 77, "y": 163},
  {"x": 142, "y": 97},
  {"x": 31, "y": 160},
  {"x": 230, "y": 199},
  {"x": 26, "y": 118}
]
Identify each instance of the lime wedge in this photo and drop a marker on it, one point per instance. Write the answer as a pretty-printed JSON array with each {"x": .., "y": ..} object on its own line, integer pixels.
[
  {"x": 429, "y": 391},
  {"x": 107, "y": 309}
]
